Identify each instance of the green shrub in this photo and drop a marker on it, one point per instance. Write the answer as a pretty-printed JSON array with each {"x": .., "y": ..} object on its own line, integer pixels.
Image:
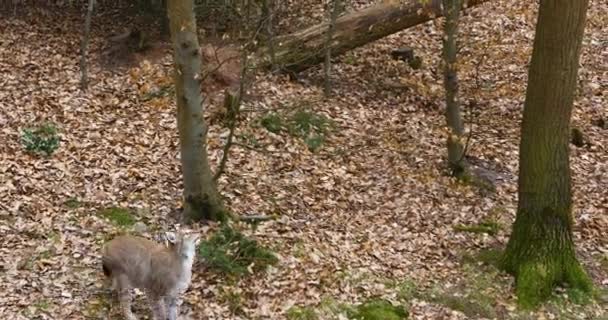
[
  {"x": 232, "y": 253},
  {"x": 43, "y": 139}
]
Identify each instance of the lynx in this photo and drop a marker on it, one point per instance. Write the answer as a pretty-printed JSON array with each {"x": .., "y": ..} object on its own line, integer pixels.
[{"x": 162, "y": 272}]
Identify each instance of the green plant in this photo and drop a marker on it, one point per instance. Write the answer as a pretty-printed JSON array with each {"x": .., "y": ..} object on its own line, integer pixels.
[
  {"x": 304, "y": 122},
  {"x": 349, "y": 59},
  {"x": 42, "y": 139},
  {"x": 72, "y": 203},
  {"x": 314, "y": 142},
  {"x": 489, "y": 227},
  {"x": 232, "y": 253},
  {"x": 378, "y": 310},
  {"x": 470, "y": 306},
  {"x": 234, "y": 300},
  {"x": 301, "y": 313},
  {"x": 119, "y": 216},
  {"x": 272, "y": 122},
  {"x": 407, "y": 290}
]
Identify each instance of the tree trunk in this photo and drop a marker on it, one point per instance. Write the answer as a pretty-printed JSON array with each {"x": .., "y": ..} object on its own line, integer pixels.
[
  {"x": 455, "y": 140},
  {"x": 334, "y": 8},
  {"x": 540, "y": 252},
  {"x": 201, "y": 198},
  {"x": 303, "y": 49},
  {"x": 84, "y": 47}
]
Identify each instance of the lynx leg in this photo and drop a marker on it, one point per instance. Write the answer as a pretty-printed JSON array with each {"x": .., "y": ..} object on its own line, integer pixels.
[
  {"x": 122, "y": 286},
  {"x": 172, "y": 306},
  {"x": 159, "y": 312}
]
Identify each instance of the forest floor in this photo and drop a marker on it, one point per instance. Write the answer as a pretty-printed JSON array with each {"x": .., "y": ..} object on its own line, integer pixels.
[{"x": 371, "y": 213}]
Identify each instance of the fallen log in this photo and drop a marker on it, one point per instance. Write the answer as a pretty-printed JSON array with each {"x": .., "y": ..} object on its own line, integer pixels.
[{"x": 300, "y": 50}]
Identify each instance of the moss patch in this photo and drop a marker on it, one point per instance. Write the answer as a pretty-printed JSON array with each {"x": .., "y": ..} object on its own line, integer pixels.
[
  {"x": 302, "y": 123},
  {"x": 489, "y": 227},
  {"x": 272, "y": 121},
  {"x": 378, "y": 310},
  {"x": 118, "y": 216},
  {"x": 535, "y": 281},
  {"x": 73, "y": 203},
  {"x": 232, "y": 253},
  {"x": 470, "y": 306},
  {"x": 301, "y": 313},
  {"x": 604, "y": 262}
]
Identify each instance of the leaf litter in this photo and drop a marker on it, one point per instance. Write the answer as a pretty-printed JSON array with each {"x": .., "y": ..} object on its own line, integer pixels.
[{"x": 369, "y": 211}]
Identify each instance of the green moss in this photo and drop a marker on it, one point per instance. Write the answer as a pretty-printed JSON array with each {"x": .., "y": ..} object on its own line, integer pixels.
[
  {"x": 415, "y": 63},
  {"x": 207, "y": 206},
  {"x": 491, "y": 257},
  {"x": 272, "y": 122},
  {"x": 349, "y": 59},
  {"x": 604, "y": 262},
  {"x": 407, "y": 290},
  {"x": 465, "y": 304},
  {"x": 314, "y": 142},
  {"x": 231, "y": 253},
  {"x": 301, "y": 313},
  {"x": 303, "y": 122},
  {"x": 73, "y": 203},
  {"x": 535, "y": 281},
  {"x": 378, "y": 310},
  {"x": 489, "y": 227},
  {"x": 42, "y": 305},
  {"x": 118, "y": 216}
]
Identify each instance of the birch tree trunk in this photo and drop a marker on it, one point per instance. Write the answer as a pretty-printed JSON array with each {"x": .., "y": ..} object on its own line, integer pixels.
[
  {"x": 540, "y": 252},
  {"x": 201, "y": 198}
]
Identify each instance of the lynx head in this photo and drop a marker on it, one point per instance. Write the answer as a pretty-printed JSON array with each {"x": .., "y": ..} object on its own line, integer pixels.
[{"x": 184, "y": 245}]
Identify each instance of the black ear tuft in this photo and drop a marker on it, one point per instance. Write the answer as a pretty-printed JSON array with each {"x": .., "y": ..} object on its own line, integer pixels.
[{"x": 106, "y": 270}]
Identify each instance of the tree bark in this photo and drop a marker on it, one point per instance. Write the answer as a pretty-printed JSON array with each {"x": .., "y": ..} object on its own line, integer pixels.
[
  {"x": 201, "y": 198},
  {"x": 540, "y": 252},
  {"x": 303, "y": 49},
  {"x": 455, "y": 140},
  {"x": 84, "y": 47},
  {"x": 334, "y": 8}
]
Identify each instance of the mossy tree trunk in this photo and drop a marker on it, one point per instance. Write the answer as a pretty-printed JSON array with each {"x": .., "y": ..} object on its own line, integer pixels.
[
  {"x": 540, "y": 252},
  {"x": 456, "y": 160},
  {"x": 201, "y": 198}
]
